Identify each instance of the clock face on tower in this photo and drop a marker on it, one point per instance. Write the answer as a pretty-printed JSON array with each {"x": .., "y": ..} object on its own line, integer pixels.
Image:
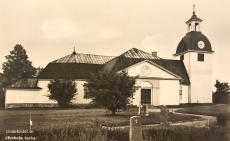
[
  {"x": 201, "y": 44},
  {"x": 145, "y": 70}
]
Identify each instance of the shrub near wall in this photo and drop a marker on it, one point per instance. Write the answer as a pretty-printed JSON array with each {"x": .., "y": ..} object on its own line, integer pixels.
[{"x": 220, "y": 98}]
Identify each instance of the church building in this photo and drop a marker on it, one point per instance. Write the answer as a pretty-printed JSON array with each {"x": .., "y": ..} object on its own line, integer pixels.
[{"x": 161, "y": 81}]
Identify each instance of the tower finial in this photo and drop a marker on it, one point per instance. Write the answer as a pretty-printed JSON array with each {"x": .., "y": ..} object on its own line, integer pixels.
[
  {"x": 194, "y": 9},
  {"x": 74, "y": 51}
]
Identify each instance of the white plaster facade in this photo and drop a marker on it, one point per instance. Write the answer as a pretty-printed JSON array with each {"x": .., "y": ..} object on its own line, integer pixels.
[
  {"x": 78, "y": 99},
  {"x": 164, "y": 85},
  {"x": 38, "y": 96},
  {"x": 200, "y": 75},
  {"x": 184, "y": 98}
]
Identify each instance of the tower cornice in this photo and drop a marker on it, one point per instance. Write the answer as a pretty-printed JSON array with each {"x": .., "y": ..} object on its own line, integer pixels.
[{"x": 198, "y": 51}]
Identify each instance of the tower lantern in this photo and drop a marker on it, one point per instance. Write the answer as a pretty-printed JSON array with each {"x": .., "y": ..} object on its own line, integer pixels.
[{"x": 194, "y": 22}]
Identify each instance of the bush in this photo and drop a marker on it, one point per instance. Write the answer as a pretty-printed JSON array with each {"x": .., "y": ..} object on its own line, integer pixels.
[
  {"x": 62, "y": 91},
  {"x": 75, "y": 133},
  {"x": 181, "y": 133},
  {"x": 222, "y": 118},
  {"x": 220, "y": 98},
  {"x": 2, "y": 100},
  {"x": 118, "y": 134}
]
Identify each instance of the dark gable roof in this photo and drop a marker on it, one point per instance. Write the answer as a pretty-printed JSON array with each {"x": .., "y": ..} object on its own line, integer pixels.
[
  {"x": 67, "y": 68},
  {"x": 132, "y": 57},
  {"x": 75, "y": 65},
  {"x": 179, "y": 69},
  {"x": 127, "y": 59},
  {"x": 25, "y": 83}
]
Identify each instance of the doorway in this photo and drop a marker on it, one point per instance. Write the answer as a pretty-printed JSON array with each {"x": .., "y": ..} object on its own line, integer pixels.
[{"x": 145, "y": 96}]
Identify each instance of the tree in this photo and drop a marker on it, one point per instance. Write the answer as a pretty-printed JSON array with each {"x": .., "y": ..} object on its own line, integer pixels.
[
  {"x": 2, "y": 93},
  {"x": 62, "y": 91},
  {"x": 39, "y": 70},
  {"x": 17, "y": 66},
  {"x": 111, "y": 90},
  {"x": 222, "y": 87}
]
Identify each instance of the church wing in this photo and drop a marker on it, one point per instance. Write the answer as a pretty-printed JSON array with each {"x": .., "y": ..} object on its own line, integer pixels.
[{"x": 135, "y": 56}]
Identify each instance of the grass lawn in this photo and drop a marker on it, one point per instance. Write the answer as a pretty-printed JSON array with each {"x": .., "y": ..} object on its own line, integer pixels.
[
  {"x": 47, "y": 118},
  {"x": 212, "y": 110}
]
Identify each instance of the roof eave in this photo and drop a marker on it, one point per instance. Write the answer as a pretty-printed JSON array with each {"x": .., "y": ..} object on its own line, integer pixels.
[
  {"x": 182, "y": 53},
  {"x": 190, "y": 20}
]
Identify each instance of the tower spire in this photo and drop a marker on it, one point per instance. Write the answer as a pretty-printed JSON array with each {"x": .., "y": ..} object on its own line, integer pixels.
[{"x": 194, "y": 9}]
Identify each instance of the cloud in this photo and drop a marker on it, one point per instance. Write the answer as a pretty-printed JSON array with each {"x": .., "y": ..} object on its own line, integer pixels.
[
  {"x": 109, "y": 33},
  {"x": 158, "y": 43},
  {"x": 154, "y": 43},
  {"x": 60, "y": 28}
]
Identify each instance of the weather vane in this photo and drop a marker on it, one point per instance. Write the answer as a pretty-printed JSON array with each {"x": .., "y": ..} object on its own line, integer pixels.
[{"x": 194, "y": 8}]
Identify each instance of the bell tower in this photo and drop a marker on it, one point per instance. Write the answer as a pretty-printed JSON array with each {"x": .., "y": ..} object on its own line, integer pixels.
[{"x": 195, "y": 51}]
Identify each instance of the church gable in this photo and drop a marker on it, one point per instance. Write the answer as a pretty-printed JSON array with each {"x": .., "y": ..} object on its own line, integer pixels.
[{"x": 148, "y": 69}]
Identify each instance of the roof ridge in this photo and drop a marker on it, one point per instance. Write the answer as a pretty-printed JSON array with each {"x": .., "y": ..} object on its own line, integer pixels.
[
  {"x": 82, "y": 57},
  {"x": 94, "y": 54}
]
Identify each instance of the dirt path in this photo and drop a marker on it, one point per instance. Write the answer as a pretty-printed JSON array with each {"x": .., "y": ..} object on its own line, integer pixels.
[{"x": 205, "y": 120}]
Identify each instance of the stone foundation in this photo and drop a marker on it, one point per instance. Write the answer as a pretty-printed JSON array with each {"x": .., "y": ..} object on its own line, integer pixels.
[{"x": 21, "y": 105}]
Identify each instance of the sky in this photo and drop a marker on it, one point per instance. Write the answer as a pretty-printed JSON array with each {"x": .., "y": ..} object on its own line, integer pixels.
[{"x": 49, "y": 30}]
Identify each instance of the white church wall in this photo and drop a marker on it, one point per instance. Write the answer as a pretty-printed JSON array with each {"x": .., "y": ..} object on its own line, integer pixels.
[
  {"x": 136, "y": 97},
  {"x": 23, "y": 96},
  {"x": 169, "y": 92},
  {"x": 79, "y": 98},
  {"x": 44, "y": 91},
  {"x": 32, "y": 97},
  {"x": 201, "y": 79},
  {"x": 200, "y": 75},
  {"x": 184, "y": 97},
  {"x": 186, "y": 62}
]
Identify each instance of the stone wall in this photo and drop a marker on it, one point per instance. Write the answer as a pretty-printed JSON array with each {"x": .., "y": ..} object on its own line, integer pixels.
[{"x": 20, "y": 105}]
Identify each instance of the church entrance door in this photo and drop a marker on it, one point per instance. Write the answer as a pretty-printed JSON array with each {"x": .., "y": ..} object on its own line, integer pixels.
[{"x": 145, "y": 96}]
